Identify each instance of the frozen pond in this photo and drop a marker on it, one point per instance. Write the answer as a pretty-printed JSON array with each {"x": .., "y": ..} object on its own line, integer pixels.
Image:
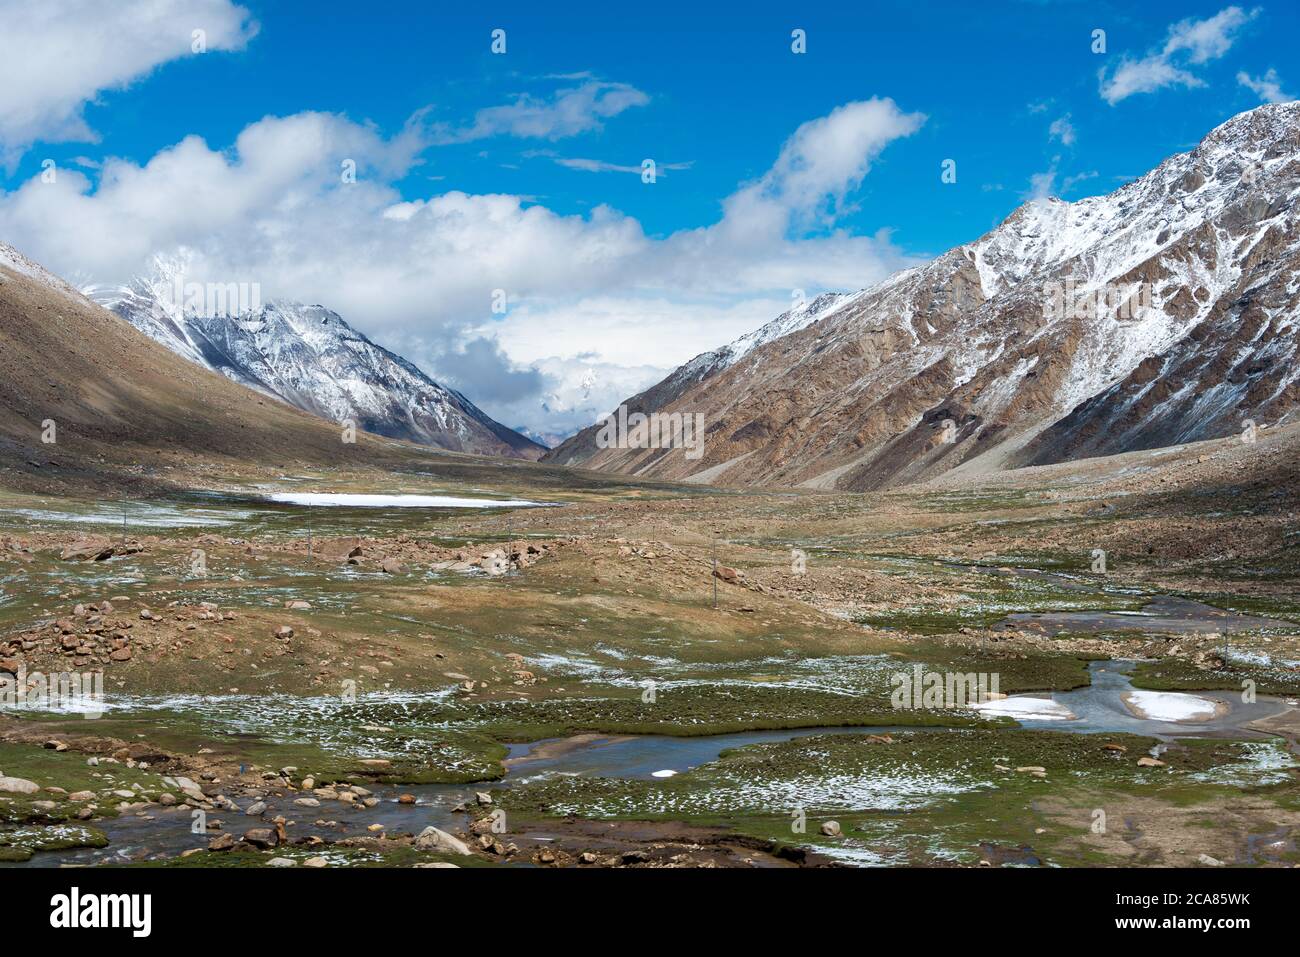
[
  {"x": 1164, "y": 614},
  {"x": 358, "y": 500}
]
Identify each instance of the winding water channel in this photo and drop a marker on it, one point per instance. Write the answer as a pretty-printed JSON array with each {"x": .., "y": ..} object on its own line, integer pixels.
[{"x": 165, "y": 832}]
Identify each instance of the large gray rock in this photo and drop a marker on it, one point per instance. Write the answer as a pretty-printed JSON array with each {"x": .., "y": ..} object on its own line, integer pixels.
[
  {"x": 18, "y": 786},
  {"x": 435, "y": 839}
]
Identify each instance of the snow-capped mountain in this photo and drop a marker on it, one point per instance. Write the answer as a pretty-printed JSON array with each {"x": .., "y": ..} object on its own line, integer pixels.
[
  {"x": 1164, "y": 312},
  {"x": 578, "y": 448},
  {"x": 311, "y": 358}
]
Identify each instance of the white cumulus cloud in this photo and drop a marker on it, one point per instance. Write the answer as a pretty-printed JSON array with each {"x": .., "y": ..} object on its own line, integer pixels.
[
  {"x": 1267, "y": 87},
  {"x": 1190, "y": 42},
  {"x": 58, "y": 55},
  {"x": 421, "y": 274}
]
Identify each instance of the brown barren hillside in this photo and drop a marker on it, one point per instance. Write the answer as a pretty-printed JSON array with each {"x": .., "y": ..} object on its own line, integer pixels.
[
  {"x": 1163, "y": 313},
  {"x": 120, "y": 400}
]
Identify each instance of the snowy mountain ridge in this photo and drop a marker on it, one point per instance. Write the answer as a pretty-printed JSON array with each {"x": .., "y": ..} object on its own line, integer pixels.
[
  {"x": 1187, "y": 278},
  {"x": 309, "y": 357}
]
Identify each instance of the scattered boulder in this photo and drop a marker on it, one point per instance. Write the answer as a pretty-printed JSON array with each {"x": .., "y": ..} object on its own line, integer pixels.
[
  {"x": 18, "y": 786},
  {"x": 95, "y": 548},
  {"x": 339, "y": 549},
  {"x": 436, "y": 839},
  {"x": 261, "y": 837}
]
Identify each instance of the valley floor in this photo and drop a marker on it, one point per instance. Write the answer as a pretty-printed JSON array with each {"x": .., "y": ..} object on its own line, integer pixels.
[{"x": 573, "y": 685}]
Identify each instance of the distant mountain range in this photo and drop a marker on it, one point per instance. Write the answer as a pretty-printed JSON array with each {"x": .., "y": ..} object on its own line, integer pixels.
[
  {"x": 1165, "y": 312},
  {"x": 311, "y": 358}
]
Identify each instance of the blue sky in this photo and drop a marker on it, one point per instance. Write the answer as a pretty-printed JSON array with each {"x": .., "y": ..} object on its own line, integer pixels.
[{"x": 1015, "y": 95}]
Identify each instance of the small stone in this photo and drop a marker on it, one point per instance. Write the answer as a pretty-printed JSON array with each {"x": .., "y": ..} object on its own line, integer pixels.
[{"x": 832, "y": 829}]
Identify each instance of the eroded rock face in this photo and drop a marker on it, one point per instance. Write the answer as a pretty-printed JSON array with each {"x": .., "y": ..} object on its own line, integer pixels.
[{"x": 1158, "y": 314}]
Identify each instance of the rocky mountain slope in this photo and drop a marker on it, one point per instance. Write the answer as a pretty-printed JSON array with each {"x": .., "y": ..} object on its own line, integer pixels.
[
  {"x": 311, "y": 358},
  {"x": 579, "y": 448},
  {"x": 1161, "y": 313},
  {"x": 87, "y": 400}
]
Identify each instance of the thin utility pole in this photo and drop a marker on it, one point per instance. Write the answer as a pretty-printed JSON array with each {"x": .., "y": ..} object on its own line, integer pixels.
[{"x": 715, "y": 571}]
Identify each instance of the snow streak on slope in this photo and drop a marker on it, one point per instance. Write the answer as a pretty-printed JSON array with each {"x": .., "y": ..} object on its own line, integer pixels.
[
  {"x": 1203, "y": 251},
  {"x": 309, "y": 357}
]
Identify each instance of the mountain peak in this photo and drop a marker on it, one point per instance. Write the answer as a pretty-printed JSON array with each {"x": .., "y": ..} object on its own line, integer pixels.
[
  {"x": 1165, "y": 311},
  {"x": 310, "y": 357}
]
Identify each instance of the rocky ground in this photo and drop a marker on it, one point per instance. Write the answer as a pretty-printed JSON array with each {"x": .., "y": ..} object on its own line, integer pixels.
[{"x": 337, "y": 686}]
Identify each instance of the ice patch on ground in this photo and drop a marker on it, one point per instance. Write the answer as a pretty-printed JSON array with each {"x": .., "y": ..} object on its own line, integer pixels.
[
  {"x": 357, "y": 500},
  {"x": 901, "y": 789},
  {"x": 1169, "y": 706},
  {"x": 1261, "y": 763},
  {"x": 1026, "y": 709}
]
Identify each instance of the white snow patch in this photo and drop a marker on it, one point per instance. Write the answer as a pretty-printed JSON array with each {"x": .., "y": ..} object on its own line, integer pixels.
[
  {"x": 1026, "y": 708},
  {"x": 1169, "y": 706},
  {"x": 395, "y": 501}
]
